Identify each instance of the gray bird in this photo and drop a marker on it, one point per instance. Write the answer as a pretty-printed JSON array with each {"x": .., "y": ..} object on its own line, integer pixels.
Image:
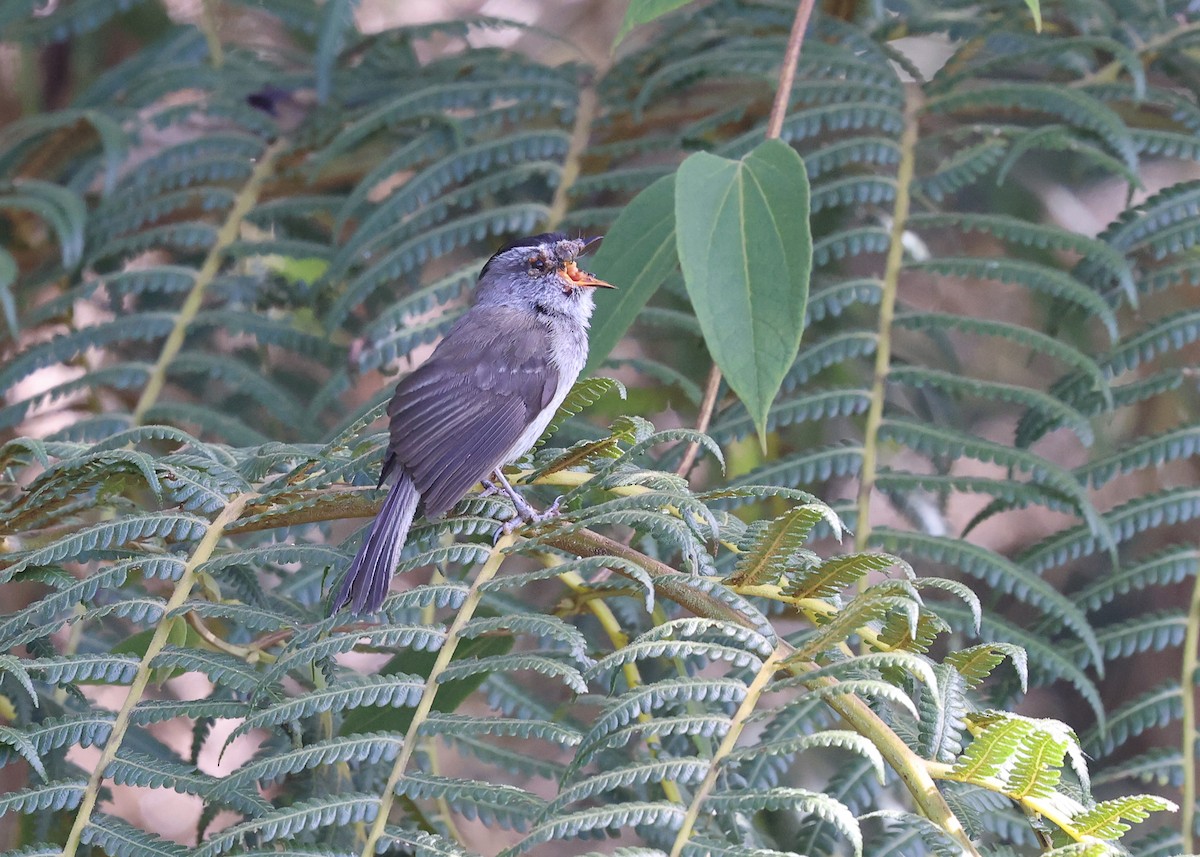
[{"x": 481, "y": 400}]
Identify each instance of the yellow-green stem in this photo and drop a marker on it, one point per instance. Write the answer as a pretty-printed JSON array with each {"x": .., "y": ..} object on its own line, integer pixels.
[
  {"x": 585, "y": 116},
  {"x": 1058, "y": 810},
  {"x": 753, "y": 692},
  {"x": 246, "y": 199},
  {"x": 619, "y": 639},
  {"x": 210, "y": 24},
  {"x": 1187, "y": 687},
  {"x": 425, "y": 705},
  {"x": 887, "y": 313},
  {"x": 141, "y": 679}
]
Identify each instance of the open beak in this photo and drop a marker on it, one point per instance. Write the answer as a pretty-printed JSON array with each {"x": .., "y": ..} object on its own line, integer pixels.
[{"x": 574, "y": 277}]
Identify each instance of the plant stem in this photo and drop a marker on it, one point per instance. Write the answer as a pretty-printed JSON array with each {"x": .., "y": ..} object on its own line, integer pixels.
[
  {"x": 245, "y": 201},
  {"x": 619, "y": 639},
  {"x": 707, "y": 407},
  {"x": 445, "y": 655},
  {"x": 1187, "y": 690},
  {"x": 887, "y": 313},
  {"x": 787, "y": 74},
  {"x": 783, "y": 96},
  {"x": 209, "y": 24},
  {"x": 141, "y": 679},
  {"x": 581, "y": 134},
  {"x": 754, "y": 692}
]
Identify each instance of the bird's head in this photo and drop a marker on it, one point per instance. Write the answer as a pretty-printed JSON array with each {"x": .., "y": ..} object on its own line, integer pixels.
[{"x": 540, "y": 274}]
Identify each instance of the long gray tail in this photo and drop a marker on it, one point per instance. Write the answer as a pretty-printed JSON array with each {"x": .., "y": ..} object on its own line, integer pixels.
[{"x": 366, "y": 583}]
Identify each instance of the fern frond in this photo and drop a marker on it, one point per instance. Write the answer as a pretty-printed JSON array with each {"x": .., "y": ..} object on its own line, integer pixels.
[
  {"x": 1150, "y": 632},
  {"x": 602, "y": 819},
  {"x": 998, "y": 573},
  {"x": 775, "y": 545},
  {"x": 118, "y": 838},
  {"x": 70, "y": 669},
  {"x": 1110, "y": 819},
  {"x": 495, "y": 804},
  {"x": 1034, "y": 400},
  {"x": 544, "y": 666},
  {"x": 61, "y": 794},
  {"x": 963, "y": 169},
  {"x": 395, "y": 690},
  {"x": 137, "y": 769},
  {"x": 1124, "y": 522},
  {"x": 1157, "y": 707},
  {"x": 806, "y": 468},
  {"x": 798, "y": 800},
  {"x": 681, "y": 771},
  {"x": 1073, "y": 106},
  {"x": 811, "y": 405},
  {"x": 1171, "y": 565},
  {"x": 830, "y": 577},
  {"x": 1036, "y": 236},
  {"x": 320, "y": 812}
]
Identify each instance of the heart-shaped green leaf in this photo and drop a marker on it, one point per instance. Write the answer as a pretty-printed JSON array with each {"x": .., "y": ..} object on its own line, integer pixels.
[{"x": 746, "y": 251}]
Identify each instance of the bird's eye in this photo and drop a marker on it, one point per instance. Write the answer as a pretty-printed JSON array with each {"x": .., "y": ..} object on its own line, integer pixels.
[{"x": 537, "y": 262}]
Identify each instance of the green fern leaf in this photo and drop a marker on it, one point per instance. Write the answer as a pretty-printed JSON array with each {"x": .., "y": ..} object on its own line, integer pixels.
[
  {"x": 495, "y": 804},
  {"x": 1108, "y": 820},
  {"x": 998, "y": 573},
  {"x": 1073, "y": 106},
  {"x": 118, "y": 838},
  {"x": 1157, "y": 707},
  {"x": 600, "y": 819},
  {"x": 348, "y": 692},
  {"x": 976, "y": 663},
  {"x": 1151, "y": 632},
  {"x": 797, "y": 800},
  {"x": 53, "y": 796},
  {"x": 773, "y": 550},
  {"x": 1124, "y": 522},
  {"x": 314, "y": 814},
  {"x": 1171, "y": 565},
  {"x": 836, "y": 574}
]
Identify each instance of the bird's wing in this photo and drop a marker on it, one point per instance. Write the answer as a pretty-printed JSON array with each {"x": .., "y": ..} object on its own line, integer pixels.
[{"x": 454, "y": 419}]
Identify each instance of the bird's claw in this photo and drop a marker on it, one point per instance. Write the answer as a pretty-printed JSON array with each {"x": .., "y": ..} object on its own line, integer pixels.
[{"x": 526, "y": 514}]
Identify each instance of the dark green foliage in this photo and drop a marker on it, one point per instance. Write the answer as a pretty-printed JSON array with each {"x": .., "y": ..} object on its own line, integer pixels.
[{"x": 211, "y": 271}]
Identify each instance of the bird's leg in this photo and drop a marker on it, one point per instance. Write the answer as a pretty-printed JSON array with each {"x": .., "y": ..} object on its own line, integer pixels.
[
  {"x": 501, "y": 484},
  {"x": 525, "y": 512}
]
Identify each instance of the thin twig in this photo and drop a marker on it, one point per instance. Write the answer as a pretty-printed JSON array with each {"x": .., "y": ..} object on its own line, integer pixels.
[
  {"x": 581, "y": 135},
  {"x": 754, "y": 692},
  {"x": 707, "y": 407},
  {"x": 787, "y": 74},
  {"x": 183, "y": 588},
  {"x": 432, "y": 684},
  {"x": 783, "y": 97},
  {"x": 887, "y": 311},
  {"x": 229, "y": 232}
]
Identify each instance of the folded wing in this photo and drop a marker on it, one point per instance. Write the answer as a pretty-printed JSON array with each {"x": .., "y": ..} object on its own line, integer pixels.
[{"x": 457, "y": 416}]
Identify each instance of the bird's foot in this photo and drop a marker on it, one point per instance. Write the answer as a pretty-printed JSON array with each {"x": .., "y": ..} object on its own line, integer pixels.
[
  {"x": 526, "y": 514},
  {"x": 530, "y": 515}
]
